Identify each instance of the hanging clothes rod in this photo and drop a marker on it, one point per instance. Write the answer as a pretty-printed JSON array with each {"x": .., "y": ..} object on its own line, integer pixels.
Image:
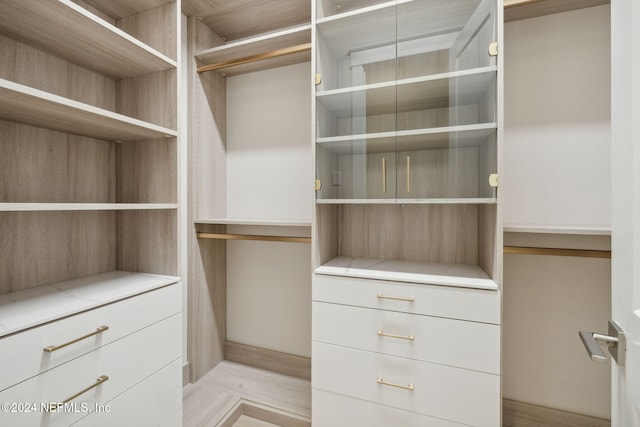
[
  {"x": 224, "y": 236},
  {"x": 582, "y": 253},
  {"x": 258, "y": 57}
]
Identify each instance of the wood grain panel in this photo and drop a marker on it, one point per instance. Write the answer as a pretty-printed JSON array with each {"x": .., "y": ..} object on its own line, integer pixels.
[
  {"x": 520, "y": 414},
  {"x": 147, "y": 241},
  {"x": 488, "y": 255},
  {"x": 40, "y": 165},
  {"x": 276, "y": 361},
  {"x": 46, "y": 247},
  {"x": 147, "y": 171},
  {"x": 523, "y": 9},
  {"x": 144, "y": 27},
  {"x": 237, "y": 19},
  {"x": 31, "y": 67},
  {"x": 325, "y": 239},
  {"x": 123, "y": 8},
  {"x": 431, "y": 233},
  {"x": 151, "y": 98}
]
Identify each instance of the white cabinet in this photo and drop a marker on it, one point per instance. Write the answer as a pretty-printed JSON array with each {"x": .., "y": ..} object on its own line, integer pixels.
[{"x": 123, "y": 337}]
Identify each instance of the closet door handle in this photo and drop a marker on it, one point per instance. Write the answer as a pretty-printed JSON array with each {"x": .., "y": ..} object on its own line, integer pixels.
[
  {"x": 101, "y": 379},
  {"x": 404, "y": 387},
  {"x": 52, "y": 348},
  {"x": 407, "y": 299},
  {"x": 408, "y": 174},
  {"x": 384, "y": 175},
  {"x": 401, "y": 337}
]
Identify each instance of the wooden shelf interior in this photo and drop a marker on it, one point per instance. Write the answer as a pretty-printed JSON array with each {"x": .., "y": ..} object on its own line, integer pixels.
[
  {"x": 71, "y": 32},
  {"x": 515, "y": 10}
]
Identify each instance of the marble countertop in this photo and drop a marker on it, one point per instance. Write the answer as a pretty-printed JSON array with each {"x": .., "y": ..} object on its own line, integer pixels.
[
  {"x": 457, "y": 275},
  {"x": 36, "y": 306}
]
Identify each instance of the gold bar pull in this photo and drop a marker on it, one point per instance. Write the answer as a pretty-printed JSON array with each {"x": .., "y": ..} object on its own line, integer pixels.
[
  {"x": 408, "y": 174},
  {"x": 384, "y": 175},
  {"x": 404, "y": 387},
  {"x": 409, "y": 299},
  {"x": 52, "y": 348},
  {"x": 402, "y": 337},
  {"x": 101, "y": 379}
]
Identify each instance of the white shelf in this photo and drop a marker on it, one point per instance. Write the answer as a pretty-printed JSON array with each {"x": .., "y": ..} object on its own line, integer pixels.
[
  {"x": 75, "y": 34},
  {"x": 259, "y": 45},
  {"x": 257, "y": 222},
  {"x": 34, "y": 107},
  {"x": 36, "y": 306},
  {"x": 457, "y": 275},
  {"x": 420, "y": 93},
  {"x": 595, "y": 230},
  {"x": 444, "y": 201},
  {"x": 33, "y": 207}
]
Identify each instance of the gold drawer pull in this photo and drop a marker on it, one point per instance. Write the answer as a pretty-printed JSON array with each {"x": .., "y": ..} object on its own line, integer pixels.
[
  {"x": 101, "y": 379},
  {"x": 402, "y": 337},
  {"x": 52, "y": 348},
  {"x": 409, "y": 299},
  {"x": 404, "y": 387}
]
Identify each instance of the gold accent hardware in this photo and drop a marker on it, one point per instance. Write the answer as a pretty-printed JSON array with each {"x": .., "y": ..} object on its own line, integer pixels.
[
  {"x": 318, "y": 78},
  {"x": 318, "y": 184},
  {"x": 404, "y": 387},
  {"x": 101, "y": 379},
  {"x": 52, "y": 348},
  {"x": 583, "y": 253},
  {"x": 253, "y": 58},
  {"x": 384, "y": 175},
  {"x": 287, "y": 239},
  {"x": 409, "y": 299},
  {"x": 402, "y": 337},
  {"x": 493, "y": 180},
  {"x": 493, "y": 49},
  {"x": 408, "y": 174}
]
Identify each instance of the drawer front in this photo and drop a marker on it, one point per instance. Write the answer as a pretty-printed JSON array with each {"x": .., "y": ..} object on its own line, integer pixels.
[
  {"x": 441, "y": 301},
  {"x": 333, "y": 410},
  {"x": 126, "y": 362},
  {"x": 24, "y": 352},
  {"x": 150, "y": 403},
  {"x": 450, "y": 342},
  {"x": 459, "y": 395}
]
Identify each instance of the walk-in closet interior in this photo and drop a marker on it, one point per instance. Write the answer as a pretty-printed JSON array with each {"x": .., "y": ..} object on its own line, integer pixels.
[{"x": 295, "y": 212}]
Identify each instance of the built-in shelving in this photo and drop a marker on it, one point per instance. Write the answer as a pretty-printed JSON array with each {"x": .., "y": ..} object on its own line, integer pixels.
[
  {"x": 24, "y": 104},
  {"x": 595, "y": 230},
  {"x": 77, "y": 35},
  {"x": 515, "y": 10},
  {"x": 440, "y": 201},
  {"x": 257, "y": 222},
  {"x": 44, "y": 207}
]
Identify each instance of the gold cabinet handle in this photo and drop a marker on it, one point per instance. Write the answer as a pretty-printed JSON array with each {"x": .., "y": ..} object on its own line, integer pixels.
[
  {"x": 52, "y": 348},
  {"x": 384, "y": 175},
  {"x": 404, "y": 387},
  {"x": 402, "y": 337},
  {"x": 409, "y": 299},
  {"x": 408, "y": 174},
  {"x": 101, "y": 379}
]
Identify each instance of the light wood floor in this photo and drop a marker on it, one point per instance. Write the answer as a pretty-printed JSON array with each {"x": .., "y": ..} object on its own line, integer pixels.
[{"x": 208, "y": 401}]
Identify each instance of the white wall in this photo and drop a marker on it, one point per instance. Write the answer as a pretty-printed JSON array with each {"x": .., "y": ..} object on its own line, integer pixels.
[
  {"x": 557, "y": 120},
  {"x": 557, "y": 174},
  {"x": 270, "y": 176}
]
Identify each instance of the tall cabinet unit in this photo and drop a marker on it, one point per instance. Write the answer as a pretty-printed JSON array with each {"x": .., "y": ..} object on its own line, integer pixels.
[
  {"x": 407, "y": 259},
  {"x": 89, "y": 139}
]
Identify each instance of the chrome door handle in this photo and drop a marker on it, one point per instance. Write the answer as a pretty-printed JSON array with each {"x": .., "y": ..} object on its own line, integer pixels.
[{"x": 616, "y": 342}]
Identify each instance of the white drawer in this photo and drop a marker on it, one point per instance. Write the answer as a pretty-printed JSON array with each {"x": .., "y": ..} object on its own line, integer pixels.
[
  {"x": 455, "y": 394},
  {"x": 126, "y": 362},
  {"x": 24, "y": 352},
  {"x": 150, "y": 403},
  {"x": 433, "y": 339},
  {"x": 441, "y": 301},
  {"x": 333, "y": 410}
]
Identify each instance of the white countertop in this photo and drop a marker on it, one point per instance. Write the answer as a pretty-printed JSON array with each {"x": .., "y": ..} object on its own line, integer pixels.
[
  {"x": 33, "y": 307},
  {"x": 457, "y": 275}
]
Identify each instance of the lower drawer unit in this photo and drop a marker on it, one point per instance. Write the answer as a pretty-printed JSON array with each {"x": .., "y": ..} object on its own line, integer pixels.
[
  {"x": 454, "y": 394},
  {"x": 120, "y": 364},
  {"x": 451, "y": 342},
  {"x": 345, "y": 411}
]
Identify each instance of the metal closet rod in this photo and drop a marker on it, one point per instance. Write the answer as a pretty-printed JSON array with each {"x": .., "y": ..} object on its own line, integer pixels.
[
  {"x": 253, "y": 58},
  {"x": 225, "y": 236}
]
